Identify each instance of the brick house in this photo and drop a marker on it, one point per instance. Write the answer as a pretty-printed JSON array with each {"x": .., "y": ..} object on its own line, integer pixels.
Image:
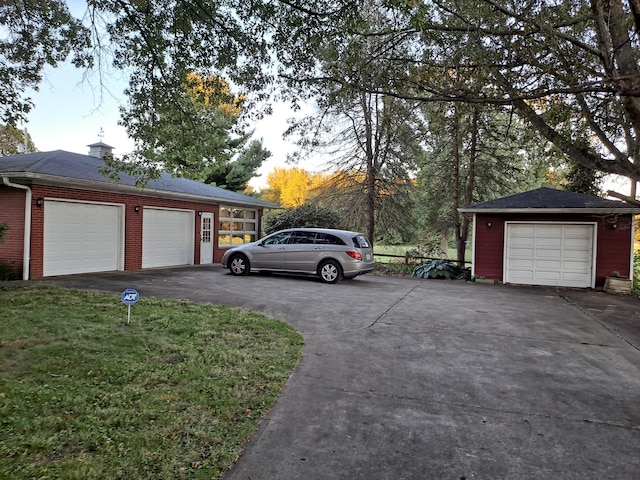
[
  {"x": 552, "y": 237},
  {"x": 64, "y": 217}
]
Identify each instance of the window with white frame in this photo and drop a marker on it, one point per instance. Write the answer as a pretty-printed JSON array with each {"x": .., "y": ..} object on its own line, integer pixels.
[{"x": 237, "y": 226}]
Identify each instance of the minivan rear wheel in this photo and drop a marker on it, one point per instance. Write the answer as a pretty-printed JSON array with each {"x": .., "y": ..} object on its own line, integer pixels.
[
  {"x": 239, "y": 265},
  {"x": 330, "y": 271}
]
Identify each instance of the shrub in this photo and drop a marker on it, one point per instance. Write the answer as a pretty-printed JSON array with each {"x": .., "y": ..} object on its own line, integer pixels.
[
  {"x": 306, "y": 215},
  {"x": 636, "y": 269},
  {"x": 444, "y": 269},
  {"x": 7, "y": 272}
]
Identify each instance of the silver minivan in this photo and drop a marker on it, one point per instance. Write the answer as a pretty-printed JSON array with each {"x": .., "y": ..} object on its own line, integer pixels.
[{"x": 330, "y": 254}]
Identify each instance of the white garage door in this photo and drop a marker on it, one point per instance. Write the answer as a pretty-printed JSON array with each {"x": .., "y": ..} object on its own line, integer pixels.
[
  {"x": 549, "y": 254},
  {"x": 167, "y": 237},
  {"x": 82, "y": 237}
]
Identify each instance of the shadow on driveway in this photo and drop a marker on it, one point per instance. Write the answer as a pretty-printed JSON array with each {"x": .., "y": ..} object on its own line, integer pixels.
[{"x": 404, "y": 378}]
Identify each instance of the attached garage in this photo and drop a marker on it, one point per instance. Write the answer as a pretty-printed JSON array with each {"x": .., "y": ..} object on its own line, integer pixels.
[
  {"x": 82, "y": 237},
  {"x": 552, "y": 238},
  {"x": 167, "y": 237},
  {"x": 64, "y": 216},
  {"x": 554, "y": 254}
]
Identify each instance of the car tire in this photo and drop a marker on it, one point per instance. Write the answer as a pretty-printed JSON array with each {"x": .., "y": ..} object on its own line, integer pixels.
[
  {"x": 239, "y": 265},
  {"x": 330, "y": 271}
]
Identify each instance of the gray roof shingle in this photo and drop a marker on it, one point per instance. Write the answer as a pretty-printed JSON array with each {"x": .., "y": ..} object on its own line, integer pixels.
[
  {"x": 85, "y": 168},
  {"x": 550, "y": 200}
]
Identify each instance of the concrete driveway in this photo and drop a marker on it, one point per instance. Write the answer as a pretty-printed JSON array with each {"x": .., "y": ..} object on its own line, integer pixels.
[{"x": 423, "y": 379}]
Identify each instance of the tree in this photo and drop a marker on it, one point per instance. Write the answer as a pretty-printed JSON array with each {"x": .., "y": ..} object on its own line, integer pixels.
[
  {"x": 369, "y": 136},
  {"x": 235, "y": 175},
  {"x": 307, "y": 215},
  {"x": 529, "y": 50},
  {"x": 198, "y": 137},
  {"x": 158, "y": 44},
  {"x": 291, "y": 187},
  {"x": 472, "y": 153},
  {"x": 581, "y": 54},
  {"x": 11, "y": 139}
]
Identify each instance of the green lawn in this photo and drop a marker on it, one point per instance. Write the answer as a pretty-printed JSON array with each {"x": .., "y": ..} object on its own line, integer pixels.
[{"x": 174, "y": 394}]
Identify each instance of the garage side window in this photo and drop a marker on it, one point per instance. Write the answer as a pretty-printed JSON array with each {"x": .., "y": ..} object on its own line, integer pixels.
[{"x": 237, "y": 226}]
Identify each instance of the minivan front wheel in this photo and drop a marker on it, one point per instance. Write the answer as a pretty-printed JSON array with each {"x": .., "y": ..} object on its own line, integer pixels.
[
  {"x": 239, "y": 265},
  {"x": 330, "y": 271}
]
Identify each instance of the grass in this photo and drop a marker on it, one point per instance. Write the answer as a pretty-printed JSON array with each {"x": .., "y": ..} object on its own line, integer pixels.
[{"x": 174, "y": 394}]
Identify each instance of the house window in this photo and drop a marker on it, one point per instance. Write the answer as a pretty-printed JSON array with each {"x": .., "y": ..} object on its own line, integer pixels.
[{"x": 237, "y": 226}]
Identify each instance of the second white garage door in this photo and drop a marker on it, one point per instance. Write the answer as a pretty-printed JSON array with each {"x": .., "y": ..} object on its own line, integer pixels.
[
  {"x": 550, "y": 254},
  {"x": 167, "y": 237}
]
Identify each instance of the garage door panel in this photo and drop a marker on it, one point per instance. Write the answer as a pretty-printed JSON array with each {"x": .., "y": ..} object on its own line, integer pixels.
[
  {"x": 548, "y": 253},
  {"x": 522, "y": 275},
  {"x": 167, "y": 237},
  {"x": 81, "y": 238},
  {"x": 562, "y": 254},
  {"x": 548, "y": 265},
  {"x": 519, "y": 263},
  {"x": 522, "y": 252},
  {"x": 543, "y": 275}
]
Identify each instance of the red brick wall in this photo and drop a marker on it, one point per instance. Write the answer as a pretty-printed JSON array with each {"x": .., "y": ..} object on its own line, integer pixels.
[
  {"x": 133, "y": 221},
  {"x": 613, "y": 244},
  {"x": 12, "y": 213}
]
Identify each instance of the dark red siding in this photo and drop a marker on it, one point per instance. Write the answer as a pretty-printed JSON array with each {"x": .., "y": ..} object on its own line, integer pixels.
[{"x": 614, "y": 251}]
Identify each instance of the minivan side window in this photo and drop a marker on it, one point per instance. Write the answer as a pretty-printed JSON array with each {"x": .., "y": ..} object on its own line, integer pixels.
[
  {"x": 360, "y": 241},
  {"x": 278, "y": 239},
  {"x": 303, "y": 237},
  {"x": 328, "y": 239}
]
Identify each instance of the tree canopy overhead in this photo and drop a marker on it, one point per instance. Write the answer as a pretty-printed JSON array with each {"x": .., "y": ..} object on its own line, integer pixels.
[{"x": 569, "y": 68}]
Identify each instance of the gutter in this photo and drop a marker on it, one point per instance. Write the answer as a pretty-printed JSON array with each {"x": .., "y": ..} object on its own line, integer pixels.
[{"x": 26, "y": 250}]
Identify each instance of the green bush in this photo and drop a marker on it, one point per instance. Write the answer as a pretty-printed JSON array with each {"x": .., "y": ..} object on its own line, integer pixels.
[
  {"x": 443, "y": 269},
  {"x": 7, "y": 272},
  {"x": 307, "y": 215},
  {"x": 636, "y": 269}
]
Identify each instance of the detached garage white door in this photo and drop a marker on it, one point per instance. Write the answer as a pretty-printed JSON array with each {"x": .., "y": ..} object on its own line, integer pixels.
[
  {"x": 82, "y": 237},
  {"x": 167, "y": 237},
  {"x": 552, "y": 254}
]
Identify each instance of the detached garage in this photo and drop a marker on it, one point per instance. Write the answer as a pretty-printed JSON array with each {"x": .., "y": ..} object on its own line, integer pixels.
[
  {"x": 552, "y": 237},
  {"x": 66, "y": 217}
]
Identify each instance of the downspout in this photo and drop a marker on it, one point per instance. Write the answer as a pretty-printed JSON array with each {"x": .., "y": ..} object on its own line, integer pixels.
[{"x": 26, "y": 249}]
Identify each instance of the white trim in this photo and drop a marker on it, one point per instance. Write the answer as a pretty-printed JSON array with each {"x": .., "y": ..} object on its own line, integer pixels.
[
  {"x": 633, "y": 247},
  {"x": 212, "y": 239},
  {"x": 473, "y": 246},
  {"x": 594, "y": 244}
]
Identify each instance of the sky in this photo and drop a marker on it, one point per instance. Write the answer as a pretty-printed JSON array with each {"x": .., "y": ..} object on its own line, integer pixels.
[{"x": 71, "y": 110}]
